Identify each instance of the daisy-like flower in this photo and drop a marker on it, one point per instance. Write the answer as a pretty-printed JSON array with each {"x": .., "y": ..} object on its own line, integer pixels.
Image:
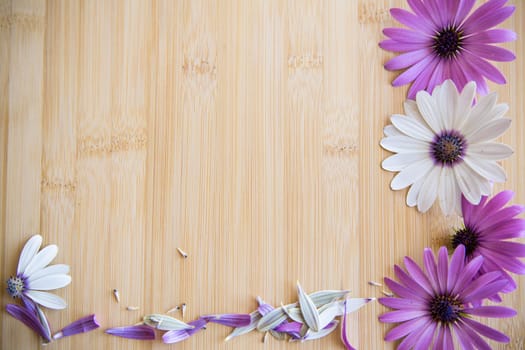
[
  {"x": 487, "y": 227},
  {"x": 445, "y": 42},
  {"x": 435, "y": 307},
  {"x": 445, "y": 147},
  {"x": 34, "y": 277}
]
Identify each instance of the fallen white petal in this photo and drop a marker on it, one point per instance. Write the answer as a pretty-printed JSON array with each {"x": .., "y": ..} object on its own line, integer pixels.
[
  {"x": 28, "y": 252},
  {"x": 310, "y": 313}
]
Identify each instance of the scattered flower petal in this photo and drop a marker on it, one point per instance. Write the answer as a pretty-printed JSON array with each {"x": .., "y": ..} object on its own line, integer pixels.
[
  {"x": 229, "y": 320},
  {"x": 141, "y": 332},
  {"x": 310, "y": 313},
  {"x": 165, "y": 323},
  {"x": 28, "y": 318},
  {"x": 85, "y": 324}
]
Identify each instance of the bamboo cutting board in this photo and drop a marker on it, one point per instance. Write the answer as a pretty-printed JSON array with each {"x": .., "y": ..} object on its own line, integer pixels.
[{"x": 244, "y": 132}]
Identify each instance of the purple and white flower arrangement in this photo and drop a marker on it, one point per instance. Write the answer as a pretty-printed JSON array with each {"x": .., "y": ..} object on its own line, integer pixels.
[{"x": 30, "y": 284}]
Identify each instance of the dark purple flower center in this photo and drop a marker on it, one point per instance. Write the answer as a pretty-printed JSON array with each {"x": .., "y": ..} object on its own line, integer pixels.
[
  {"x": 448, "y": 148},
  {"x": 469, "y": 238},
  {"x": 447, "y": 42},
  {"x": 445, "y": 309},
  {"x": 16, "y": 286}
]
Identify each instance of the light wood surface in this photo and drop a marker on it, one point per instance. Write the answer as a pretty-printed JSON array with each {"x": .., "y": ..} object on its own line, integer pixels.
[{"x": 245, "y": 132}]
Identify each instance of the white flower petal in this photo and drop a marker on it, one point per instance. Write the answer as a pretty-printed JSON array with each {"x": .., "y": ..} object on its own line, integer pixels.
[
  {"x": 57, "y": 269},
  {"x": 447, "y": 100},
  {"x": 468, "y": 182},
  {"x": 28, "y": 252},
  {"x": 391, "y": 130},
  {"x": 50, "y": 282},
  {"x": 429, "y": 111},
  {"x": 480, "y": 113},
  {"x": 429, "y": 190},
  {"x": 447, "y": 191},
  {"x": 399, "y": 161},
  {"x": 464, "y": 105},
  {"x": 404, "y": 144},
  {"x": 39, "y": 261},
  {"x": 413, "y": 192},
  {"x": 489, "y": 169},
  {"x": 412, "y": 127},
  {"x": 497, "y": 112},
  {"x": 411, "y": 174},
  {"x": 489, "y": 131},
  {"x": 490, "y": 150},
  {"x": 411, "y": 110},
  {"x": 46, "y": 299}
]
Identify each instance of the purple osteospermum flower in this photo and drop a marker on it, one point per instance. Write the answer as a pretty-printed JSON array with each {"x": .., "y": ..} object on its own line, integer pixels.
[
  {"x": 486, "y": 228},
  {"x": 33, "y": 276},
  {"x": 445, "y": 147},
  {"x": 435, "y": 307},
  {"x": 444, "y": 42}
]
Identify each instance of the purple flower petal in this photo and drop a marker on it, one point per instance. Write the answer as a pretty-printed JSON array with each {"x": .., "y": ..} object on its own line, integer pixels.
[
  {"x": 492, "y": 36},
  {"x": 401, "y": 315},
  {"x": 198, "y": 325},
  {"x": 488, "y": 21},
  {"x": 396, "y": 46},
  {"x": 289, "y": 327},
  {"x": 28, "y": 318},
  {"x": 407, "y": 59},
  {"x": 229, "y": 320},
  {"x": 491, "y": 311},
  {"x": 141, "y": 332},
  {"x": 344, "y": 337},
  {"x": 171, "y": 337},
  {"x": 490, "y": 52},
  {"x": 411, "y": 21},
  {"x": 486, "y": 331},
  {"x": 405, "y": 328},
  {"x": 264, "y": 308},
  {"x": 400, "y": 303},
  {"x": 403, "y": 35},
  {"x": 85, "y": 324}
]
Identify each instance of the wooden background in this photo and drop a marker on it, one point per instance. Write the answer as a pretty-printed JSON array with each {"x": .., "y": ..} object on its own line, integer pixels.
[{"x": 245, "y": 132}]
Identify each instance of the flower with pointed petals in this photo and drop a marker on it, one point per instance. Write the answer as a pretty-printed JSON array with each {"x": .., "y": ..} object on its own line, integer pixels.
[
  {"x": 444, "y": 42},
  {"x": 487, "y": 228},
  {"x": 436, "y": 306},
  {"x": 445, "y": 147},
  {"x": 34, "y": 277},
  {"x": 83, "y": 325}
]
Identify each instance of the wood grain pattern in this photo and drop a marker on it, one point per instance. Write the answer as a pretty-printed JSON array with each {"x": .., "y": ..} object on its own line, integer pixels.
[{"x": 245, "y": 132}]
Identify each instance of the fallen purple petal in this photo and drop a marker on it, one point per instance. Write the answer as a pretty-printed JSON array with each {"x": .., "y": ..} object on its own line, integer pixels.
[
  {"x": 85, "y": 324},
  {"x": 344, "y": 337},
  {"x": 289, "y": 327},
  {"x": 198, "y": 325},
  {"x": 28, "y": 318},
  {"x": 229, "y": 320},
  {"x": 141, "y": 332},
  {"x": 171, "y": 337}
]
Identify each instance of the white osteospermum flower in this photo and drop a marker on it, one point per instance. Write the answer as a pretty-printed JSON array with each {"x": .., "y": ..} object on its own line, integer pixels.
[
  {"x": 33, "y": 276},
  {"x": 445, "y": 147}
]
